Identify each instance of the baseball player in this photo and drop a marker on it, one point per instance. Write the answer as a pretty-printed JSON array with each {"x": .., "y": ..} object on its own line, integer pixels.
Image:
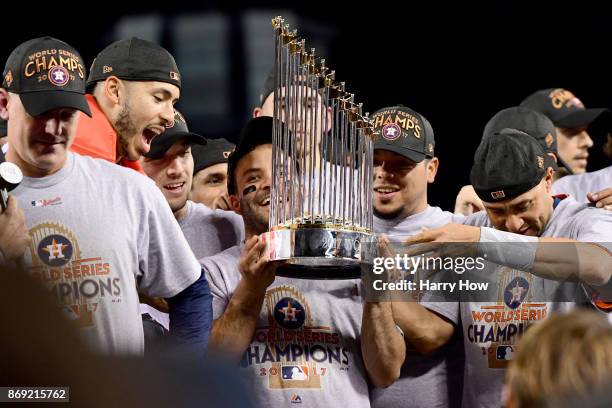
[
  {"x": 170, "y": 165},
  {"x": 539, "y": 126},
  {"x": 311, "y": 107},
  {"x": 132, "y": 88},
  {"x": 571, "y": 120},
  {"x": 98, "y": 230},
  {"x": 296, "y": 340},
  {"x": 210, "y": 174},
  {"x": 543, "y": 252},
  {"x": 404, "y": 165}
]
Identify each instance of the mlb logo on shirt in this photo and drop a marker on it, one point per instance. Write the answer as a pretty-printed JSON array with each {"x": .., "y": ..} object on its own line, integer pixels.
[
  {"x": 296, "y": 399},
  {"x": 294, "y": 372},
  {"x": 47, "y": 202},
  {"x": 505, "y": 353}
]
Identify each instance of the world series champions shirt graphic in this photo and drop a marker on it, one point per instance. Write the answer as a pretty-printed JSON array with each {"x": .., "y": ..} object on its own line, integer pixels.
[
  {"x": 78, "y": 282},
  {"x": 496, "y": 327},
  {"x": 293, "y": 349}
]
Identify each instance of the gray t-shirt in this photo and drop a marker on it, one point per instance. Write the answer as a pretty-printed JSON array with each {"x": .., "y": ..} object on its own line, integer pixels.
[
  {"x": 305, "y": 348},
  {"x": 209, "y": 232},
  {"x": 491, "y": 330},
  {"x": 97, "y": 231},
  {"x": 425, "y": 381},
  {"x": 431, "y": 217},
  {"x": 579, "y": 185}
]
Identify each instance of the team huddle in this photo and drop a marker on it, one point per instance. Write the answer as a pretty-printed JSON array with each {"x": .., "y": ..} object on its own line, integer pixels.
[{"x": 147, "y": 235}]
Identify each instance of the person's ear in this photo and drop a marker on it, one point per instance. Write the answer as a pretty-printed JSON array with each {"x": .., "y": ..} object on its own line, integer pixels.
[
  {"x": 548, "y": 179},
  {"x": 257, "y": 112},
  {"x": 4, "y": 101},
  {"x": 235, "y": 203},
  {"x": 115, "y": 90},
  {"x": 432, "y": 169}
]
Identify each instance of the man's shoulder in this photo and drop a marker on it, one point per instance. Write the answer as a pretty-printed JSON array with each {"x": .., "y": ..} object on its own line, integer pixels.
[
  {"x": 223, "y": 262},
  {"x": 569, "y": 208},
  {"x": 443, "y": 217},
  {"x": 579, "y": 220},
  {"x": 203, "y": 214},
  {"x": 479, "y": 219},
  {"x": 578, "y": 179},
  {"x": 108, "y": 172},
  {"x": 199, "y": 208}
]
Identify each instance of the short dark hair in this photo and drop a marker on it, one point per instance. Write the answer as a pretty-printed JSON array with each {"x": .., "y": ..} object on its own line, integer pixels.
[{"x": 257, "y": 131}]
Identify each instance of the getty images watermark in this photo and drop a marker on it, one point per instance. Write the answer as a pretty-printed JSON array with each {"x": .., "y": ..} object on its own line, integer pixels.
[
  {"x": 411, "y": 273},
  {"x": 473, "y": 272}
]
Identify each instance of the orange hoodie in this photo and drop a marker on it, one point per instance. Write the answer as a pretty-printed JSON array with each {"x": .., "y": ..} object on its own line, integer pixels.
[{"x": 96, "y": 137}]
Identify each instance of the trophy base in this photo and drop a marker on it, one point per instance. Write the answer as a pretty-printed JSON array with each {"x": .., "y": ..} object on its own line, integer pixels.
[{"x": 317, "y": 253}]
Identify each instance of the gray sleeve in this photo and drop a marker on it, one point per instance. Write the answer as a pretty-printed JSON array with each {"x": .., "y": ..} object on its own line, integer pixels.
[
  {"x": 166, "y": 264},
  {"x": 440, "y": 302},
  {"x": 479, "y": 219},
  {"x": 218, "y": 286},
  {"x": 458, "y": 218},
  {"x": 596, "y": 227},
  {"x": 560, "y": 187},
  {"x": 230, "y": 227},
  {"x": 449, "y": 310}
]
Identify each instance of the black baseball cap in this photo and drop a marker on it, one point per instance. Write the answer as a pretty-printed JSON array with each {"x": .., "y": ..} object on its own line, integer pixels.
[
  {"x": 535, "y": 124},
  {"x": 179, "y": 130},
  {"x": 134, "y": 59},
  {"x": 216, "y": 151},
  {"x": 507, "y": 164},
  {"x": 405, "y": 132},
  {"x": 47, "y": 74},
  {"x": 563, "y": 108},
  {"x": 257, "y": 131},
  {"x": 269, "y": 85}
]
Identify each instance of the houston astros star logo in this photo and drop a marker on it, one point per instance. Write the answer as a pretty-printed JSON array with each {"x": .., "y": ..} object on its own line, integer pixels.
[
  {"x": 55, "y": 250},
  {"x": 391, "y": 131},
  {"x": 289, "y": 313},
  {"x": 515, "y": 292},
  {"x": 58, "y": 75}
]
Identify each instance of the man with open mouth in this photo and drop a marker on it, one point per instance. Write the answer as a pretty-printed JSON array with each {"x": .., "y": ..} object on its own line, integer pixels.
[
  {"x": 132, "y": 88},
  {"x": 170, "y": 165},
  {"x": 100, "y": 232}
]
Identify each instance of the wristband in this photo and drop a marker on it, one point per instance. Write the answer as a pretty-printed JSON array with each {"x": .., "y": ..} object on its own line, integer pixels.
[{"x": 508, "y": 249}]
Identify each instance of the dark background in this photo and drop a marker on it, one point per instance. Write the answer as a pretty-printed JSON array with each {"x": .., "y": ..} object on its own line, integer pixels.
[{"x": 457, "y": 63}]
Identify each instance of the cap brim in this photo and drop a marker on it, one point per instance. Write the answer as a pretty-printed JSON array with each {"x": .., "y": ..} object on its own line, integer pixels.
[
  {"x": 37, "y": 103},
  {"x": 581, "y": 118},
  {"x": 159, "y": 149},
  {"x": 413, "y": 155}
]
